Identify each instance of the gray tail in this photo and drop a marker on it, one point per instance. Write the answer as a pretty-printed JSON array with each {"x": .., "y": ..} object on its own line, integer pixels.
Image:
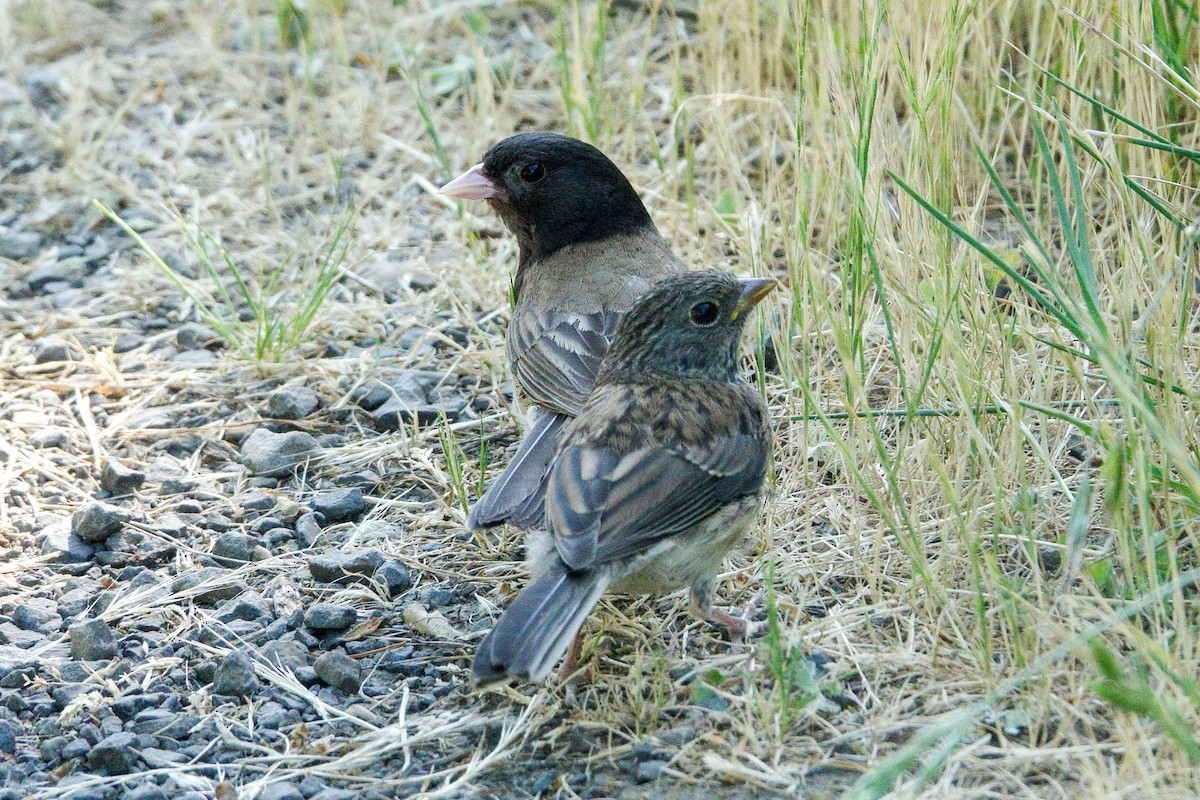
[
  {"x": 518, "y": 495},
  {"x": 535, "y": 631}
]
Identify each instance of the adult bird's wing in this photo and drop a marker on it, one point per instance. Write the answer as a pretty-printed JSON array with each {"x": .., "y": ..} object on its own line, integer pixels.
[
  {"x": 518, "y": 494},
  {"x": 602, "y": 506},
  {"x": 556, "y": 356}
]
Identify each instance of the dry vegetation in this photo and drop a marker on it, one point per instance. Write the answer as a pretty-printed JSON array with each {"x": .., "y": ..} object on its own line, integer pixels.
[{"x": 988, "y": 455}]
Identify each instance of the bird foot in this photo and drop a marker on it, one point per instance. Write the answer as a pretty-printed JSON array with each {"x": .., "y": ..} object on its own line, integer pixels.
[
  {"x": 739, "y": 627},
  {"x": 569, "y": 672}
]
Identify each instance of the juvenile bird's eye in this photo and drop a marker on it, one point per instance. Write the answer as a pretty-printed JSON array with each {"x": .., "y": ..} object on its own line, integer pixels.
[
  {"x": 704, "y": 313},
  {"x": 532, "y": 173}
]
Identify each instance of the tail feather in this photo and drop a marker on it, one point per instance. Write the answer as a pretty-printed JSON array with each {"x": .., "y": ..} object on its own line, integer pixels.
[
  {"x": 518, "y": 495},
  {"x": 535, "y": 631}
]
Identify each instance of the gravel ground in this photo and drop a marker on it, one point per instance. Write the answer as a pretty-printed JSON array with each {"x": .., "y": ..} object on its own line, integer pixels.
[{"x": 220, "y": 577}]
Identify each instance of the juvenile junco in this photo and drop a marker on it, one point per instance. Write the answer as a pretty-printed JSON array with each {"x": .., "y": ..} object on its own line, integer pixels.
[
  {"x": 588, "y": 249},
  {"x": 655, "y": 480}
]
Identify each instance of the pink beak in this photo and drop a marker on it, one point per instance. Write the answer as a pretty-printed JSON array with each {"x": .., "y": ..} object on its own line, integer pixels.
[{"x": 472, "y": 185}]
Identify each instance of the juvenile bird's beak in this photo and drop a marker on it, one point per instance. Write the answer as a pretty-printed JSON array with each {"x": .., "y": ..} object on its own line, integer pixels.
[
  {"x": 753, "y": 290},
  {"x": 472, "y": 185}
]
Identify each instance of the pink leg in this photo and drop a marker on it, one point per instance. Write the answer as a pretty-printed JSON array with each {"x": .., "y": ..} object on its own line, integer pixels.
[
  {"x": 702, "y": 607},
  {"x": 571, "y": 662}
]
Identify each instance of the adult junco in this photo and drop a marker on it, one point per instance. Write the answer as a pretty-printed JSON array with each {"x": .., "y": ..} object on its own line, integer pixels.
[
  {"x": 659, "y": 475},
  {"x": 588, "y": 249}
]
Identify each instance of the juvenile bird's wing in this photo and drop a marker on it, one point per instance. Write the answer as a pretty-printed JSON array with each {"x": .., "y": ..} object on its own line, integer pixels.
[
  {"x": 556, "y": 356},
  {"x": 602, "y": 505}
]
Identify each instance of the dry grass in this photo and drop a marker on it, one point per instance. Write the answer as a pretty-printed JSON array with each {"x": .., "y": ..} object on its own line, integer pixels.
[{"x": 950, "y": 567}]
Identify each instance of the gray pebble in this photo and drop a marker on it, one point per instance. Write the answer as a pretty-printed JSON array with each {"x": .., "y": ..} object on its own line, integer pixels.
[
  {"x": 334, "y": 794},
  {"x": 238, "y": 547},
  {"x": 339, "y": 670},
  {"x": 264, "y": 524},
  {"x": 115, "y": 754},
  {"x": 339, "y": 505},
  {"x": 307, "y": 528},
  {"x": 276, "y": 454},
  {"x": 194, "y": 336},
  {"x": 95, "y": 522},
  {"x": 160, "y": 722},
  {"x": 235, "y": 675},
  {"x": 116, "y": 478},
  {"x": 649, "y": 770},
  {"x": 395, "y": 577},
  {"x": 8, "y": 738},
  {"x": 20, "y": 245},
  {"x": 64, "y": 272},
  {"x": 50, "y": 349},
  {"x": 292, "y": 402},
  {"x": 76, "y": 748},
  {"x": 345, "y": 567},
  {"x": 76, "y": 601},
  {"x": 222, "y": 588},
  {"x": 148, "y": 791},
  {"x": 281, "y": 791},
  {"x": 40, "y": 616},
  {"x": 330, "y": 617},
  {"x": 189, "y": 359},
  {"x": 92, "y": 640},
  {"x": 65, "y": 544},
  {"x": 48, "y": 437},
  {"x": 286, "y": 653},
  {"x": 17, "y": 637},
  {"x": 249, "y": 606}
]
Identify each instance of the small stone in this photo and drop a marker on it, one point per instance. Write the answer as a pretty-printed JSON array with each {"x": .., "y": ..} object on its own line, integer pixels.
[
  {"x": 76, "y": 748},
  {"x": 8, "y": 738},
  {"x": 286, "y": 653},
  {"x": 292, "y": 402},
  {"x": 48, "y": 437},
  {"x": 276, "y": 454},
  {"x": 330, "y": 617},
  {"x": 249, "y": 606},
  {"x": 308, "y": 528},
  {"x": 17, "y": 637},
  {"x": 95, "y": 522},
  {"x": 238, "y": 548},
  {"x": 65, "y": 544},
  {"x": 50, "y": 349},
  {"x": 339, "y": 505},
  {"x": 20, "y": 245},
  {"x": 346, "y": 567},
  {"x": 677, "y": 736},
  {"x": 649, "y": 770},
  {"x": 114, "y": 755},
  {"x": 79, "y": 599},
  {"x": 37, "y": 616},
  {"x": 194, "y": 336},
  {"x": 235, "y": 675},
  {"x": 215, "y": 584},
  {"x": 339, "y": 670},
  {"x": 281, "y": 791},
  {"x": 394, "y": 577},
  {"x": 116, "y": 478},
  {"x": 190, "y": 359},
  {"x": 148, "y": 791},
  {"x": 92, "y": 640}
]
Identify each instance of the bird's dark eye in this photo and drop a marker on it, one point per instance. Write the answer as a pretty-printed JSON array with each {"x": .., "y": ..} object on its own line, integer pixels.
[
  {"x": 532, "y": 173},
  {"x": 704, "y": 313}
]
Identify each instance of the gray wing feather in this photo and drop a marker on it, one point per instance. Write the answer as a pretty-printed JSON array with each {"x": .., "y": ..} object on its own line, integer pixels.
[
  {"x": 517, "y": 495},
  {"x": 556, "y": 358},
  {"x": 600, "y": 507}
]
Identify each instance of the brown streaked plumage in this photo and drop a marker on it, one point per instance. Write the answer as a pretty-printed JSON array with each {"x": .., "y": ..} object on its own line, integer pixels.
[
  {"x": 655, "y": 480},
  {"x": 588, "y": 249}
]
